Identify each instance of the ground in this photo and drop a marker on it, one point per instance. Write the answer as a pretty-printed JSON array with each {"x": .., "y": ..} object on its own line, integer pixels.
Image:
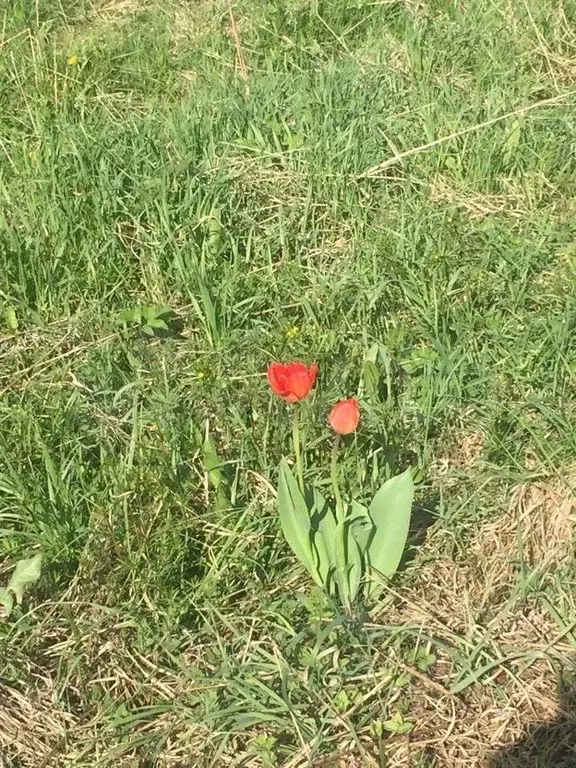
[{"x": 294, "y": 179}]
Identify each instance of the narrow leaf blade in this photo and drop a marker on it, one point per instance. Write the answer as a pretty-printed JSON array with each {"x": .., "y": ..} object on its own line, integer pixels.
[{"x": 213, "y": 466}]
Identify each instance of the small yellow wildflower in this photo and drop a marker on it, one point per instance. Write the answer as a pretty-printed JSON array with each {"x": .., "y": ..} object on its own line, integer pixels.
[
  {"x": 292, "y": 332},
  {"x": 72, "y": 61}
]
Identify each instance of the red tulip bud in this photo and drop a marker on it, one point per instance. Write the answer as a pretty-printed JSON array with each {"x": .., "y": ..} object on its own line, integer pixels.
[{"x": 344, "y": 416}]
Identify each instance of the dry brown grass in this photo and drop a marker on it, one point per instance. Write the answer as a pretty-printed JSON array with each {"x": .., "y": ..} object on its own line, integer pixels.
[
  {"x": 463, "y": 451},
  {"x": 559, "y": 278},
  {"x": 113, "y": 11},
  {"x": 192, "y": 21},
  {"x": 477, "y": 604},
  {"x": 444, "y": 191}
]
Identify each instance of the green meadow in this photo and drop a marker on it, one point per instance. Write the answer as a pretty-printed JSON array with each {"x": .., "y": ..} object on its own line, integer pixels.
[{"x": 191, "y": 190}]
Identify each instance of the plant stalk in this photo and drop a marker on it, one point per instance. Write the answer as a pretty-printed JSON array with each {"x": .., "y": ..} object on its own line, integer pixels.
[
  {"x": 340, "y": 511},
  {"x": 297, "y": 448},
  {"x": 341, "y": 530}
]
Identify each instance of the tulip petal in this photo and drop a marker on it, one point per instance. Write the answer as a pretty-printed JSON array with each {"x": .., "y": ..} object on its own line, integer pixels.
[
  {"x": 277, "y": 378},
  {"x": 299, "y": 384}
]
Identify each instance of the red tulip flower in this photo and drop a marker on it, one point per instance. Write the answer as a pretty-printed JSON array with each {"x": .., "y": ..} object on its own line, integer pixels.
[
  {"x": 292, "y": 381},
  {"x": 344, "y": 416}
]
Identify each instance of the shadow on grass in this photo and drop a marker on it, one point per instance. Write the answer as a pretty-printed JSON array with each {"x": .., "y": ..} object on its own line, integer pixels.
[
  {"x": 545, "y": 745},
  {"x": 424, "y": 515}
]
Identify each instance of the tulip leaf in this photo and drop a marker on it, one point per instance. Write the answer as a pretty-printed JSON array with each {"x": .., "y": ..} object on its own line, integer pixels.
[
  {"x": 359, "y": 529},
  {"x": 323, "y": 525},
  {"x": 295, "y": 520},
  {"x": 26, "y": 572},
  {"x": 361, "y": 525},
  {"x": 9, "y": 315},
  {"x": 6, "y": 603},
  {"x": 390, "y": 513}
]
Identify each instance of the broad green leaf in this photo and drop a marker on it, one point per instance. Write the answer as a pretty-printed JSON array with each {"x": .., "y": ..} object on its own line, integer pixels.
[
  {"x": 295, "y": 520},
  {"x": 361, "y": 525},
  {"x": 398, "y": 725},
  {"x": 370, "y": 373},
  {"x": 125, "y": 316},
  {"x": 376, "y": 365},
  {"x": 6, "y": 603},
  {"x": 323, "y": 524},
  {"x": 163, "y": 311},
  {"x": 372, "y": 354},
  {"x": 390, "y": 512},
  {"x": 9, "y": 314},
  {"x": 148, "y": 313},
  {"x": 26, "y": 572},
  {"x": 359, "y": 529},
  {"x": 341, "y": 701},
  {"x": 157, "y": 322}
]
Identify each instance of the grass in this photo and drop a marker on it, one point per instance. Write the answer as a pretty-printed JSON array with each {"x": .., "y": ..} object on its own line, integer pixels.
[{"x": 339, "y": 174}]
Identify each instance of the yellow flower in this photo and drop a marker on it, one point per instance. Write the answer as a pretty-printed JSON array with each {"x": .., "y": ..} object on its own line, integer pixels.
[
  {"x": 72, "y": 61},
  {"x": 292, "y": 332}
]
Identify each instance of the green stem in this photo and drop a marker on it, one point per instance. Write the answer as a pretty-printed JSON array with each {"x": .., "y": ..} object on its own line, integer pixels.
[
  {"x": 297, "y": 451},
  {"x": 341, "y": 532},
  {"x": 334, "y": 477}
]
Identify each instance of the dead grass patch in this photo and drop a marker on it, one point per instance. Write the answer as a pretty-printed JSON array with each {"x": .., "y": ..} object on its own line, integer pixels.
[
  {"x": 444, "y": 191},
  {"x": 31, "y": 729},
  {"x": 191, "y": 22},
  {"x": 477, "y": 605},
  {"x": 114, "y": 11},
  {"x": 559, "y": 278},
  {"x": 464, "y": 451}
]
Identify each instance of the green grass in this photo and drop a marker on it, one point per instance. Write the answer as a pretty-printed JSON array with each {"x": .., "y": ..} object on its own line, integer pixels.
[{"x": 172, "y": 625}]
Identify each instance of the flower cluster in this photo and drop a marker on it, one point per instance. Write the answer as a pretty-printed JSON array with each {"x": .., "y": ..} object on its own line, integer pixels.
[
  {"x": 293, "y": 382},
  {"x": 344, "y": 544}
]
